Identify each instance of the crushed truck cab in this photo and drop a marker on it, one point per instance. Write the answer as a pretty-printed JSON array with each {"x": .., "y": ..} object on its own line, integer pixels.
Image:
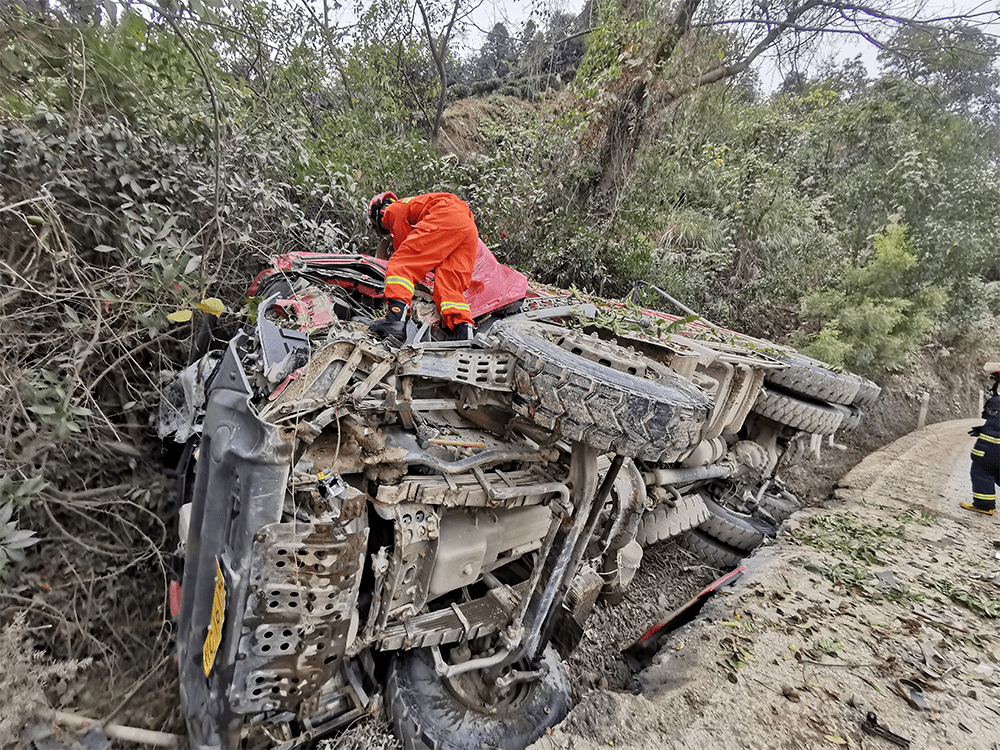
[{"x": 428, "y": 526}]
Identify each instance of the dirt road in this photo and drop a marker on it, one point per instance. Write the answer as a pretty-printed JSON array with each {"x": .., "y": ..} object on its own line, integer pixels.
[{"x": 892, "y": 581}]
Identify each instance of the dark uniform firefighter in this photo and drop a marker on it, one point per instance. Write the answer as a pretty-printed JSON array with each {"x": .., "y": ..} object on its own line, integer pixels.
[
  {"x": 986, "y": 451},
  {"x": 432, "y": 232}
]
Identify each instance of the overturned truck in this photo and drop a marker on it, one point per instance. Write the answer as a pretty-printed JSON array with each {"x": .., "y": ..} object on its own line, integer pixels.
[{"x": 427, "y": 525}]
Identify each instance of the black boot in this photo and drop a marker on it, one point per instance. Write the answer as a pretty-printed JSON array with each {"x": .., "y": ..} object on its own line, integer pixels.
[
  {"x": 461, "y": 332},
  {"x": 394, "y": 322}
]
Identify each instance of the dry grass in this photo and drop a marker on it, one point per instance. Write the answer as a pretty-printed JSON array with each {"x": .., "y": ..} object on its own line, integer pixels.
[{"x": 25, "y": 674}]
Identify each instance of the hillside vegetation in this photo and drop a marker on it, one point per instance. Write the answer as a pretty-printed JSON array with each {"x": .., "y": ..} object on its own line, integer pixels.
[{"x": 152, "y": 158}]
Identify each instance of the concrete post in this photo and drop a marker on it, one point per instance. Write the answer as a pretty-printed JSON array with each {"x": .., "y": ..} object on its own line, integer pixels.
[{"x": 925, "y": 398}]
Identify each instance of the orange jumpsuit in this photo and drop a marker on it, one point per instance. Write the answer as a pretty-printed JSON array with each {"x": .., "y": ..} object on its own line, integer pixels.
[{"x": 432, "y": 232}]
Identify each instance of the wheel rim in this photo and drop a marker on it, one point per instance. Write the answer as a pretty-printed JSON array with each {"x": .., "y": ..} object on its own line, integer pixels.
[{"x": 477, "y": 694}]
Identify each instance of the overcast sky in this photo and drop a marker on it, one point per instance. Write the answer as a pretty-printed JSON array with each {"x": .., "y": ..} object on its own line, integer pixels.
[
  {"x": 514, "y": 13},
  {"x": 839, "y": 47}
]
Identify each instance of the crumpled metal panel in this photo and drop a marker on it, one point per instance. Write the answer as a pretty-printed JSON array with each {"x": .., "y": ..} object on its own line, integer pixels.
[
  {"x": 282, "y": 350},
  {"x": 240, "y": 484},
  {"x": 183, "y": 401},
  {"x": 332, "y": 376},
  {"x": 494, "y": 286}
]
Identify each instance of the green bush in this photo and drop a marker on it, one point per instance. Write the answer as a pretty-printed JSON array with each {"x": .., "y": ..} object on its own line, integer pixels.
[{"x": 878, "y": 315}]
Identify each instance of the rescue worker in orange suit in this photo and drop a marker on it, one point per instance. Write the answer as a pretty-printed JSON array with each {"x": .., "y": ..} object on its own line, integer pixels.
[
  {"x": 986, "y": 451},
  {"x": 433, "y": 232}
]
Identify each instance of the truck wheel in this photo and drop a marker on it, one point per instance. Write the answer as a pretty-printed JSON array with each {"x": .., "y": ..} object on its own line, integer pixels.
[
  {"x": 851, "y": 416},
  {"x": 868, "y": 393},
  {"x": 465, "y": 713},
  {"x": 781, "y": 505},
  {"x": 809, "y": 416},
  {"x": 662, "y": 522},
  {"x": 654, "y": 417},
  {"x": 741, "y": 531},
  {"x": 711, "y": 551},
  {"x": 812, "y": 378}
]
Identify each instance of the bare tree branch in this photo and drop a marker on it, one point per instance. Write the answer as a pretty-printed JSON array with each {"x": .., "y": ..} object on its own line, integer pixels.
[
  {"x": 739, "y": 66},
  {"x": 438, "y": 53},
  {"x": 680, "y": 26}
]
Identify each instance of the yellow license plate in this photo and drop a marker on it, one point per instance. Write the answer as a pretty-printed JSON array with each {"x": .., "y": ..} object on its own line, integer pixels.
[{"x": 214, "y": 637}]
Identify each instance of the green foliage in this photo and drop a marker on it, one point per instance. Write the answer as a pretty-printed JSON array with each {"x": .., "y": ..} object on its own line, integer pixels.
[
  {"x": 611, "y": 48},
  {"x": 48, "y": 396},
  {"x": 920, "y": 516},
  {"x": 19, "y": 494},
  {"x": 828, "y": 345},
  {"x": 878, "y": 315},
  {"x": 980, "y": 603},
  {"x": 12, "y": 539},
  {"x": 959, "y": 63},
  {"x": 121, "y": 196},
  {"x": 851, "y": 579},
  {"x": 847, "y": 537},
  {"x": 15, "y": 495},
  {"x": 829, "y": 647}
]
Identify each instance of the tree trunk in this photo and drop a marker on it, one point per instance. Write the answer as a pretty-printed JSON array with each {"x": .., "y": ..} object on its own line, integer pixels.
[
  {"x": 625, "y": 122},
  {"x": 627, "y": 118},
  {"x": 438, "y": 52}
]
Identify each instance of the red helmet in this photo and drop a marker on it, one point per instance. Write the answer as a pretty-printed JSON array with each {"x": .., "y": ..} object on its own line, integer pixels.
[{"x": 377, "y": 206}]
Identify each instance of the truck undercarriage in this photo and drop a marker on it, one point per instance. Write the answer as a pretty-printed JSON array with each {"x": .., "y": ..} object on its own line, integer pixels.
[{"x": 430, "y": 525}]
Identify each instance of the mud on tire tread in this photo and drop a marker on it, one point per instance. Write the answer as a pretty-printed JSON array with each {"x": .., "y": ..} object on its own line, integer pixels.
[
  {"x": 711, "y": 551},
  {"x": 738, "y": 530},
  {"x": 812, "y": 378},
  {"x": 808, "y": 416},
  {"x": 587, "y": 401},
  {"x": 662, "y": 522},
  {"x": 427, "y": 716}
]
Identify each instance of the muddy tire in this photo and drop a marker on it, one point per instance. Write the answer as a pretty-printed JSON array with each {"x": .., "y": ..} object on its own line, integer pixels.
[
  {"x": 851, "y": 417},
  {"x": 809, "y": 416},
  {"x": 427, "y": 714},
  {"x": 780, "y": 505},
  {"x": 662, "y": 523},
  {"x": 711, "y": 551},
  {"x": 810, "y": 377},
  {"x": 597, "y": 403},
  {"x": 741, "y": 531},
  {"x": 868, "y": 393}
]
